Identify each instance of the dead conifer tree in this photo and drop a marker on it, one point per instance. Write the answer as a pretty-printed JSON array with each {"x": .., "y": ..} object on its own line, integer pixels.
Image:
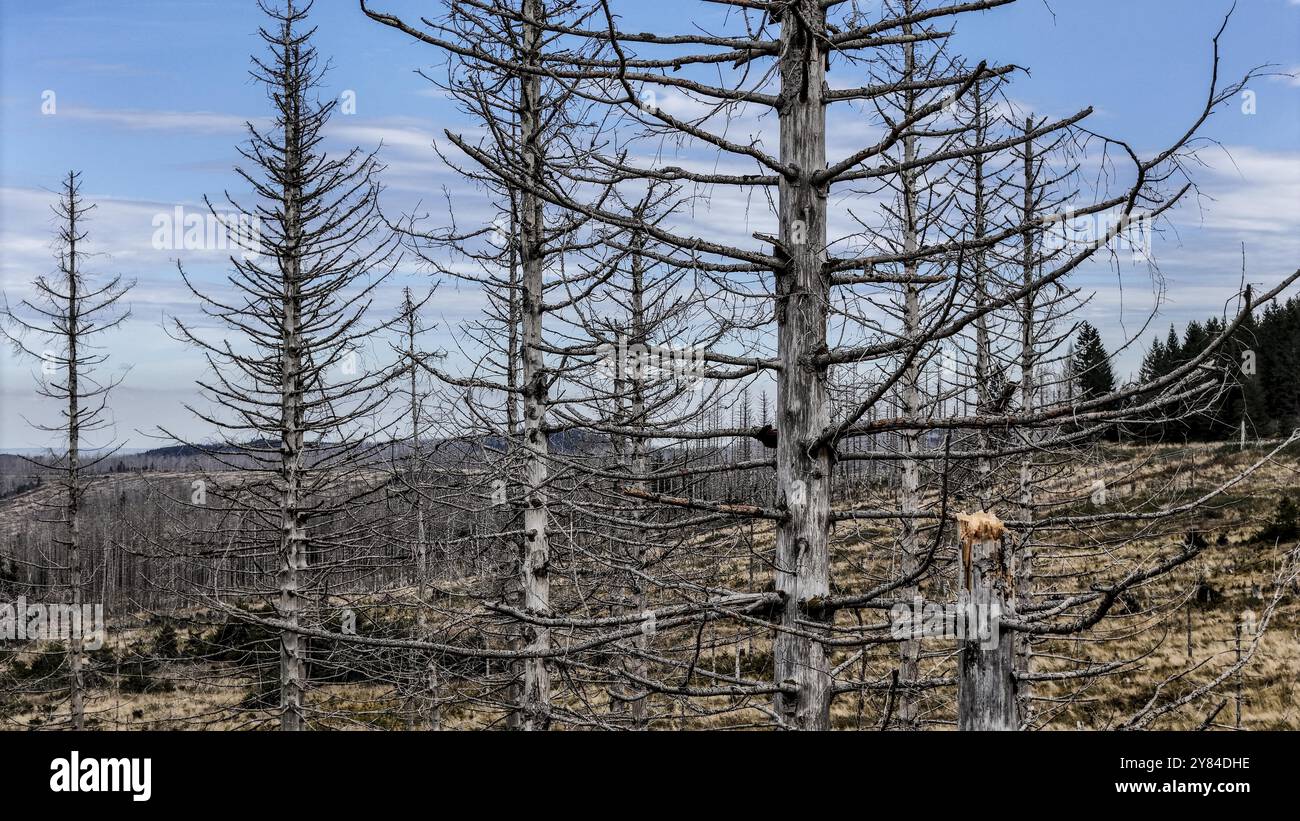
[
  {"x": 60, "y": 326},
  {"x": 302, "y": 431}
]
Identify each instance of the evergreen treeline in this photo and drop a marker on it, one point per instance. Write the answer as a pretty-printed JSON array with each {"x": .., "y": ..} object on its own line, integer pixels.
[{"x": 1259, "y": 365}]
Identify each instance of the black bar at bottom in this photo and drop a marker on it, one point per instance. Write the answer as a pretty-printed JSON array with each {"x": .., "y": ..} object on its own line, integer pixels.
[{"x": 254, "y": 771}]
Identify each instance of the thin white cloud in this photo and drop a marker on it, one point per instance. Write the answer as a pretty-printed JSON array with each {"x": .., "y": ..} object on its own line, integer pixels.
[
  {"x": 402, "y": 137},
  {"x": 1250, "y": 191},
  {"x": 192, "y": 122}
]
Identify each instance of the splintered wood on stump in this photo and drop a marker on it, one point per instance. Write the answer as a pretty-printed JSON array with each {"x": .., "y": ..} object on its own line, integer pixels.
[{"x": 986, "y": 685}]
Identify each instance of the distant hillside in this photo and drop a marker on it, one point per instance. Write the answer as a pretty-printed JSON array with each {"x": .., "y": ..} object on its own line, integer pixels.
[{"x": 20, "y": 469}]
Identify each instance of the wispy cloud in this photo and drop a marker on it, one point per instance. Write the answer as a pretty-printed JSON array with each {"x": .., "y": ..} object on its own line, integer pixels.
[
  {"x": 84, "y": 66},
  {"x": 394, "y": 135},
  {"x": 192, "y": 122},
  {"x": 1251, "y": 191}
]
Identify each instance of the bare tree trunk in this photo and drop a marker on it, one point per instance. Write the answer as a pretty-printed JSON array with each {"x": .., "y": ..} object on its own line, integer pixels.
[
  {"x": 909, "y": 663},
  {"x": 637, "y": 665},
  {"x": 293, "y": 535},
  {"x": 514, "y": 579},
  {"x": 1023, "y": 559},
  {"x": 536, "y": 563},
  {"x": 803, "y": 414},
  {"x": 427, "y": 701},
  {"x": 421, "y": 548},
  {"x": 76, "y": 683},
  {"x": 984, "y": 390}
]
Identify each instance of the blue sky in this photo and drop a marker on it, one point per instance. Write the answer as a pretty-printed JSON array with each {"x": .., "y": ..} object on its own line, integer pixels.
[{"x": 151, "y": 95}]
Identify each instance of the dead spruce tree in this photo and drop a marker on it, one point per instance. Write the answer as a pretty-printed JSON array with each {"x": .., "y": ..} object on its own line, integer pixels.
[
  {"x": 409, "y": 473},
  {"x": 60, "y": 326},
  {"x": 295, "y": 400},
  {"x": 534, "y": 126}
]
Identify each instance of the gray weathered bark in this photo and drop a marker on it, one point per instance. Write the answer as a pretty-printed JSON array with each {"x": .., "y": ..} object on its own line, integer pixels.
[
  {"x": 802, "y": 293},
  {"x": 637, "y": 420},
  {"x": 1023, "y": 559},
  {"x": 910, "y": 440},
  {"x": 293, "y": 534},
  {"x": 513, "y": 581},
  {"x": 536, "y": 560},
  {"x": 75, "y": 650}
]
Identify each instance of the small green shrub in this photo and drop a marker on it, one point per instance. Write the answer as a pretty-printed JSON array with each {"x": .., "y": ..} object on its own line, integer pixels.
[{"x": 1285, "y": 524}]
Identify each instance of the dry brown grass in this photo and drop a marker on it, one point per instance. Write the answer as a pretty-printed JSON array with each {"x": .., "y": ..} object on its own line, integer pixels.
[{"x": 1153, "y": 637}]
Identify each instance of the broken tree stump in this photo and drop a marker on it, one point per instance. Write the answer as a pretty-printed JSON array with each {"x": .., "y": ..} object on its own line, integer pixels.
[{"x": 986, "y": 683}]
